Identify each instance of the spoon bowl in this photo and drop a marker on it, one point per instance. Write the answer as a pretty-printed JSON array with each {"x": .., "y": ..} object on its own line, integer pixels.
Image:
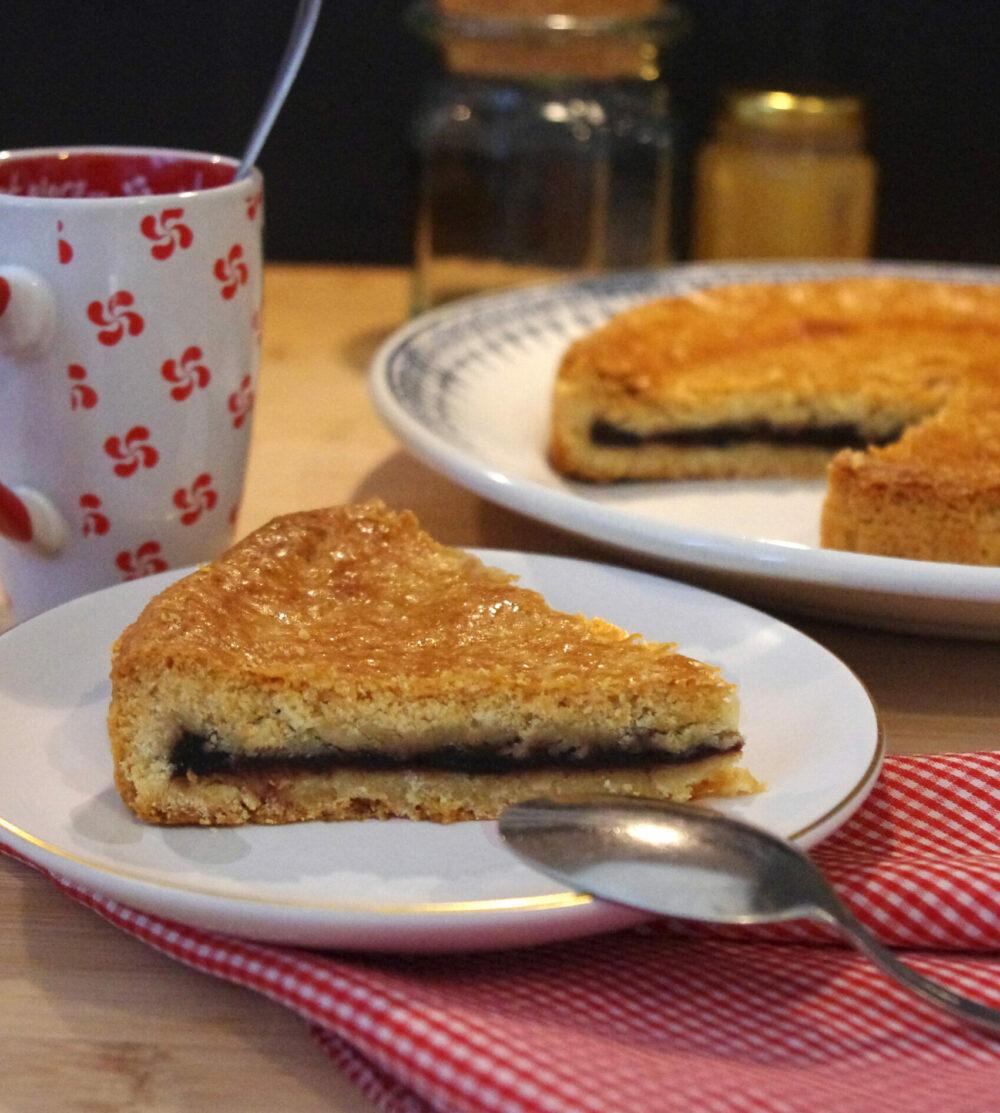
[
  {"x": 694, "y": 863},
  {"x": 673, "y": 859}
]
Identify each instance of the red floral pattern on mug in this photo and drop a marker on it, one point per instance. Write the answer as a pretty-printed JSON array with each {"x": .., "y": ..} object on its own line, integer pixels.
[
  {"x": 94, "y": 521},
  {"x": 115, "y": 317},
  {"x": 132, "y": 452},
  {"x": 65, "y": 248},
  {"x": 187, "y": 373},
  {"x": 196, "y": 499},
  {"x": 155, "y": 312},
  {"x": 232, "y": 271},
  {"x": 82, "y": 396},
  {"x": 241, "y": 402},
  {"x": 145, "y": 561},
  {"x": 167, "y": 231}
]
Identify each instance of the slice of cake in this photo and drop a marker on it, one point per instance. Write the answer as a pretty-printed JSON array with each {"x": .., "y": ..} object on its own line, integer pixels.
[
  {"x": 897, "y": 380},
  {"x": 341, "y": 664}
]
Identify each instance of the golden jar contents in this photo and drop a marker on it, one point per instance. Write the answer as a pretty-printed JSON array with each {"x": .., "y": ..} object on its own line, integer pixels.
[{"x": 785, "y": 176}]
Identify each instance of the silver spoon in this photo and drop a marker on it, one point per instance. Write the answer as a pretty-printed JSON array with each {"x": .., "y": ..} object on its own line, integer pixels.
[
  {"x": 686, "y": 861},
  {"x": 302, "y": 28}
]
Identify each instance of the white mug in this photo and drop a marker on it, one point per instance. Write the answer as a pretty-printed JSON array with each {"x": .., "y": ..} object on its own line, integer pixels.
[{"x": 130, "y": 298}]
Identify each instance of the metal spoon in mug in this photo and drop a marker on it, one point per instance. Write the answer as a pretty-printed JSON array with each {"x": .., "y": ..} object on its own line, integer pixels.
[
  {"x": 305, "y": 20},
  {"x": 685, "y": 861}
]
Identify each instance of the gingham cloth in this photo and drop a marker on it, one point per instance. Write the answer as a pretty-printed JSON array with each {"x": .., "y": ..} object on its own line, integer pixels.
[{"x": 664, "y": 1017}]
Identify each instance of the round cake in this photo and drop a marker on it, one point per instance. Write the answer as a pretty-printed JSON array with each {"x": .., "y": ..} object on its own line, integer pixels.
[{"x": 889, "y": 385}]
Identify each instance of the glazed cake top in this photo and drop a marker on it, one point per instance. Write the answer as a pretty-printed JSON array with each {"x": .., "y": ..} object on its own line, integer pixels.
[
  {"x": 359, "y": 597},
  {"x": 867, "y": 336}
]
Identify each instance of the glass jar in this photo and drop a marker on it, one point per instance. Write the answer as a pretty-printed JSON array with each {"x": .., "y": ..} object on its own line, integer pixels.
[
  {"x": 544, "y": 148},
  {"x": 785, "y": 176}
]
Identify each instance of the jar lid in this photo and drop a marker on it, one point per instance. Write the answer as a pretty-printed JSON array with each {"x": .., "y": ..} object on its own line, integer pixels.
[
  {"x": 528, "y": 9},
  {"x": 550, "y": 39},
  {"x": 794, "y": 114}
]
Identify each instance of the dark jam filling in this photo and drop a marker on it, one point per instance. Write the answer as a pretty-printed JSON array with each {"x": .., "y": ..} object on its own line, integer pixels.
[
  {"x": 202, "y": 756},
  {"x": 834, "y": 436}
]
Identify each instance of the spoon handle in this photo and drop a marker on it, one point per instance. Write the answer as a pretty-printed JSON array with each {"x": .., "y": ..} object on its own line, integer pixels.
[
  {"x": 964, "y": 1008},
  {"x": 305, "y": 20}
]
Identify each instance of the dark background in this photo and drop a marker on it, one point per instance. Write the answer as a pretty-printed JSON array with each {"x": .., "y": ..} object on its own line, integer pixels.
[{"x": 193, "y": 73}]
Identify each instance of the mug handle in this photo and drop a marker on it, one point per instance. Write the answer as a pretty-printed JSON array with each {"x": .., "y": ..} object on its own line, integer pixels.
[
  {"x": 27, "y": 323},
  {"x": 27, "y": 516},
  {"x": 27, "y": 312}
]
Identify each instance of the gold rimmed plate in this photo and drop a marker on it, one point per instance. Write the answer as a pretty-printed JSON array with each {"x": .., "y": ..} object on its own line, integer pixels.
[{"x": 812, "y": 735}]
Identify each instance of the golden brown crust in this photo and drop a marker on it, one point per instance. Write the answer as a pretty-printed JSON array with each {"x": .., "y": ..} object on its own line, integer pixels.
[
  {"x": 881, "y": 354},
  {"x": 351, "y": 627}
]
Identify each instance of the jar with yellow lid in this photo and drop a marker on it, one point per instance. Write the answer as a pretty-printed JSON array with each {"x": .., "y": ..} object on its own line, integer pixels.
[
  {"x": 544, "y": 145},
  {"x": 785, "y": 176}
]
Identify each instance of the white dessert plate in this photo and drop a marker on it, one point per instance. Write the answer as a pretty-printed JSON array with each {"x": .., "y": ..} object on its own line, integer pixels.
[
  {"x": 467, "y": 388},
  {"x": 812, "y": 735}
]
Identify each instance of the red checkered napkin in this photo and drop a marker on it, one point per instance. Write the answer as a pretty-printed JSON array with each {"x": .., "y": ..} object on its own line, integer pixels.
[{"x": 773, "y": 1020}]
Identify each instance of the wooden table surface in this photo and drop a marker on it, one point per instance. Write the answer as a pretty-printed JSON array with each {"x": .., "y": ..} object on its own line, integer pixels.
[{"x": 93, "y": 1020}]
